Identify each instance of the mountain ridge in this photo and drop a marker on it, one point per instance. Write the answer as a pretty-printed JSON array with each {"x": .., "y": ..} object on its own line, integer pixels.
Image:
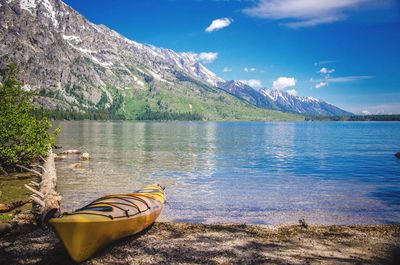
[
  {"x": 79, "y": 66},
  {"x": 302, "y": 105},
  {"x": 282, "y": 100}
]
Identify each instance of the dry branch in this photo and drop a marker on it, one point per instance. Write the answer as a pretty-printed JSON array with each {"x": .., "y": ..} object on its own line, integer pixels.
[
  {"x": 38, "y": 200},
  {"x": 5, "y": 208},
  {"x": 41, "y": 167},
  {"x": 30, "y": 170},
  {"x": 38, "y": 193},
  {"x": 34, "y": 183},
  {"x": 43, "y": 160}
]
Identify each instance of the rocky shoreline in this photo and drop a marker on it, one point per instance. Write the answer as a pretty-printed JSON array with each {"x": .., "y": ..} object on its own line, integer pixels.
[{"x": 183, "y": 243}]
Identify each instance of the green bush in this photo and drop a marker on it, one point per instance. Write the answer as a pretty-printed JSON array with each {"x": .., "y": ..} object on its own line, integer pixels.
[
  {"x": 5, "y": 217},
  {"x": 23, "y": 136}
]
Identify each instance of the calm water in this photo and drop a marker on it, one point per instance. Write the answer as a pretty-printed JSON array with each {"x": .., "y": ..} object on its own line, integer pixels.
[{"x": 242, "y": 172}]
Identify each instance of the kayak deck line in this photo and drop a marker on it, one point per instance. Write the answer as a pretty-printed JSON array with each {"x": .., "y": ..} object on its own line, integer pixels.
[{"x": 123, "y": 198}]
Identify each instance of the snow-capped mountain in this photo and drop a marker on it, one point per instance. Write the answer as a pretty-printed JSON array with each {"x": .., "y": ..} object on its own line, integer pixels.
[
  {"x": 247, "y": 93},
  {"x": 188, "y": 62},
  {"x": 63, "y": 53},
  {"x": 302, "y": 105},
  {"x": 281, "y": 100},
  {"x": 77, "y": 65}
]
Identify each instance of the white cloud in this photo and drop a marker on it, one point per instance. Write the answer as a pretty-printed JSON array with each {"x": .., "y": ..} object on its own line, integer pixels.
[
  {"x": 206, "y": 57},
  {"x": 314, "y": 22},
  {"x": 284, "y": 82},
  {"x": 252, "y": 82},
  {"x": 292, "y": 92},
  {"x": 320, "y": 84},
  {"x": 246, "y": 69},
  {"x": 219, "y": 23},
  {"x": 323, "y": 62},
  {"x": 227, "y": 69},
  {"x": 346, "y": 79},
  {"x": 308, "y": 13},
  {"x": 384, "y": 108},
  {"x": 326, "y": 71}
]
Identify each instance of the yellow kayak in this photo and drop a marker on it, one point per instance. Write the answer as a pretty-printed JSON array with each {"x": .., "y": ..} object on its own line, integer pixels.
[{"x": 107, "y": 219}]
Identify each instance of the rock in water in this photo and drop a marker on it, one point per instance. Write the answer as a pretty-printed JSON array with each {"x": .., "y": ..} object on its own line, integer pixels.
[
  {"x": 75, "y": 166},
  {"x": 85, "y": 157},
  {"x": 60, "y": 157},
  {"x": 70, "y": 152},
  {"x": 397, "y": 155}
]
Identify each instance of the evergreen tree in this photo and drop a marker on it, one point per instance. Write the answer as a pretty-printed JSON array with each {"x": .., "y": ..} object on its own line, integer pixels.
[{"x": 23, "y": 136}]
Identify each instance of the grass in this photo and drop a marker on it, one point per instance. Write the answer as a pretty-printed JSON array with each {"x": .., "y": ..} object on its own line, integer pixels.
[{"x": 5, "y": 217}]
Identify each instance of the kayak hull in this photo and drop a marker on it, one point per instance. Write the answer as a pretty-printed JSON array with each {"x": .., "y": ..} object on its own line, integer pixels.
[{"x": 85, "y": 231}]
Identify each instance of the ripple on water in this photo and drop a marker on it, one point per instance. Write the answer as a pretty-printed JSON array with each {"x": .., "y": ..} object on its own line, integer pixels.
[{"x": 242, "y": 172}]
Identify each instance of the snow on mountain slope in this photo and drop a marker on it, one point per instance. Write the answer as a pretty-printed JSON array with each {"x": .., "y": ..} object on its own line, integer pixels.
[
  {"x": 302, "y": 105},
  {"x": 247, "y": 93},
  {"x": 79, "y": 56}
]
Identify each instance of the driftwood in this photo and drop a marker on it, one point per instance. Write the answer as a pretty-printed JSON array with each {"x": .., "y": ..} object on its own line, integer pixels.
[
  {"x": 5, "y": 208},
  {"x": 46, "y": 199}
]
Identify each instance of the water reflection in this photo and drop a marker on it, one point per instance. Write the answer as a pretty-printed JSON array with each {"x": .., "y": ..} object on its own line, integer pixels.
[{"x": 241, "y": 172}]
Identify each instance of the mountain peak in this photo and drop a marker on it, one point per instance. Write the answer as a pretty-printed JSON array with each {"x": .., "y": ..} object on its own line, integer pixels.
[
  {"x": 47, "y": 7},
  {"x": 276, "y": 93}
]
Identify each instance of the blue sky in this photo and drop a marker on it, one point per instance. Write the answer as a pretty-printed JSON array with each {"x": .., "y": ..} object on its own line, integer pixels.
[{"x": 346, "y": 52}]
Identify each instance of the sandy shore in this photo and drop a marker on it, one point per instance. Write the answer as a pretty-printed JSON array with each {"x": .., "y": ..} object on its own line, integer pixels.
[{"x": 180, "y": 243}]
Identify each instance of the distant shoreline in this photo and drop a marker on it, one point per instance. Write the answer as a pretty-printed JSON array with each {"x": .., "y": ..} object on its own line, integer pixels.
[
  {"x": 59, "y": 115},
  {"x": 69, "y": 116},
  {"x": 392, "y": 117}
]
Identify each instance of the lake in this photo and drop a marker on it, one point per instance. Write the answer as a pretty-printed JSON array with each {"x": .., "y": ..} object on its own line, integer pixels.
[{"x": 241, "y": 172}]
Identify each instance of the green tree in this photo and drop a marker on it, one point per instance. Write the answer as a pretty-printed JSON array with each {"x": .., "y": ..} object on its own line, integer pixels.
[{"x": 23, "y": 136}]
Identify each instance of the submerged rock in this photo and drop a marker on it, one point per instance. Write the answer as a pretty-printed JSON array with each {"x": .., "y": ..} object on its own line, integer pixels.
[
  {"x": 70, "y": 152},
  {"x": 85, "y": 157},
  {"x": 75, "y": 165},
  {"x": 60, "y": 157}
]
